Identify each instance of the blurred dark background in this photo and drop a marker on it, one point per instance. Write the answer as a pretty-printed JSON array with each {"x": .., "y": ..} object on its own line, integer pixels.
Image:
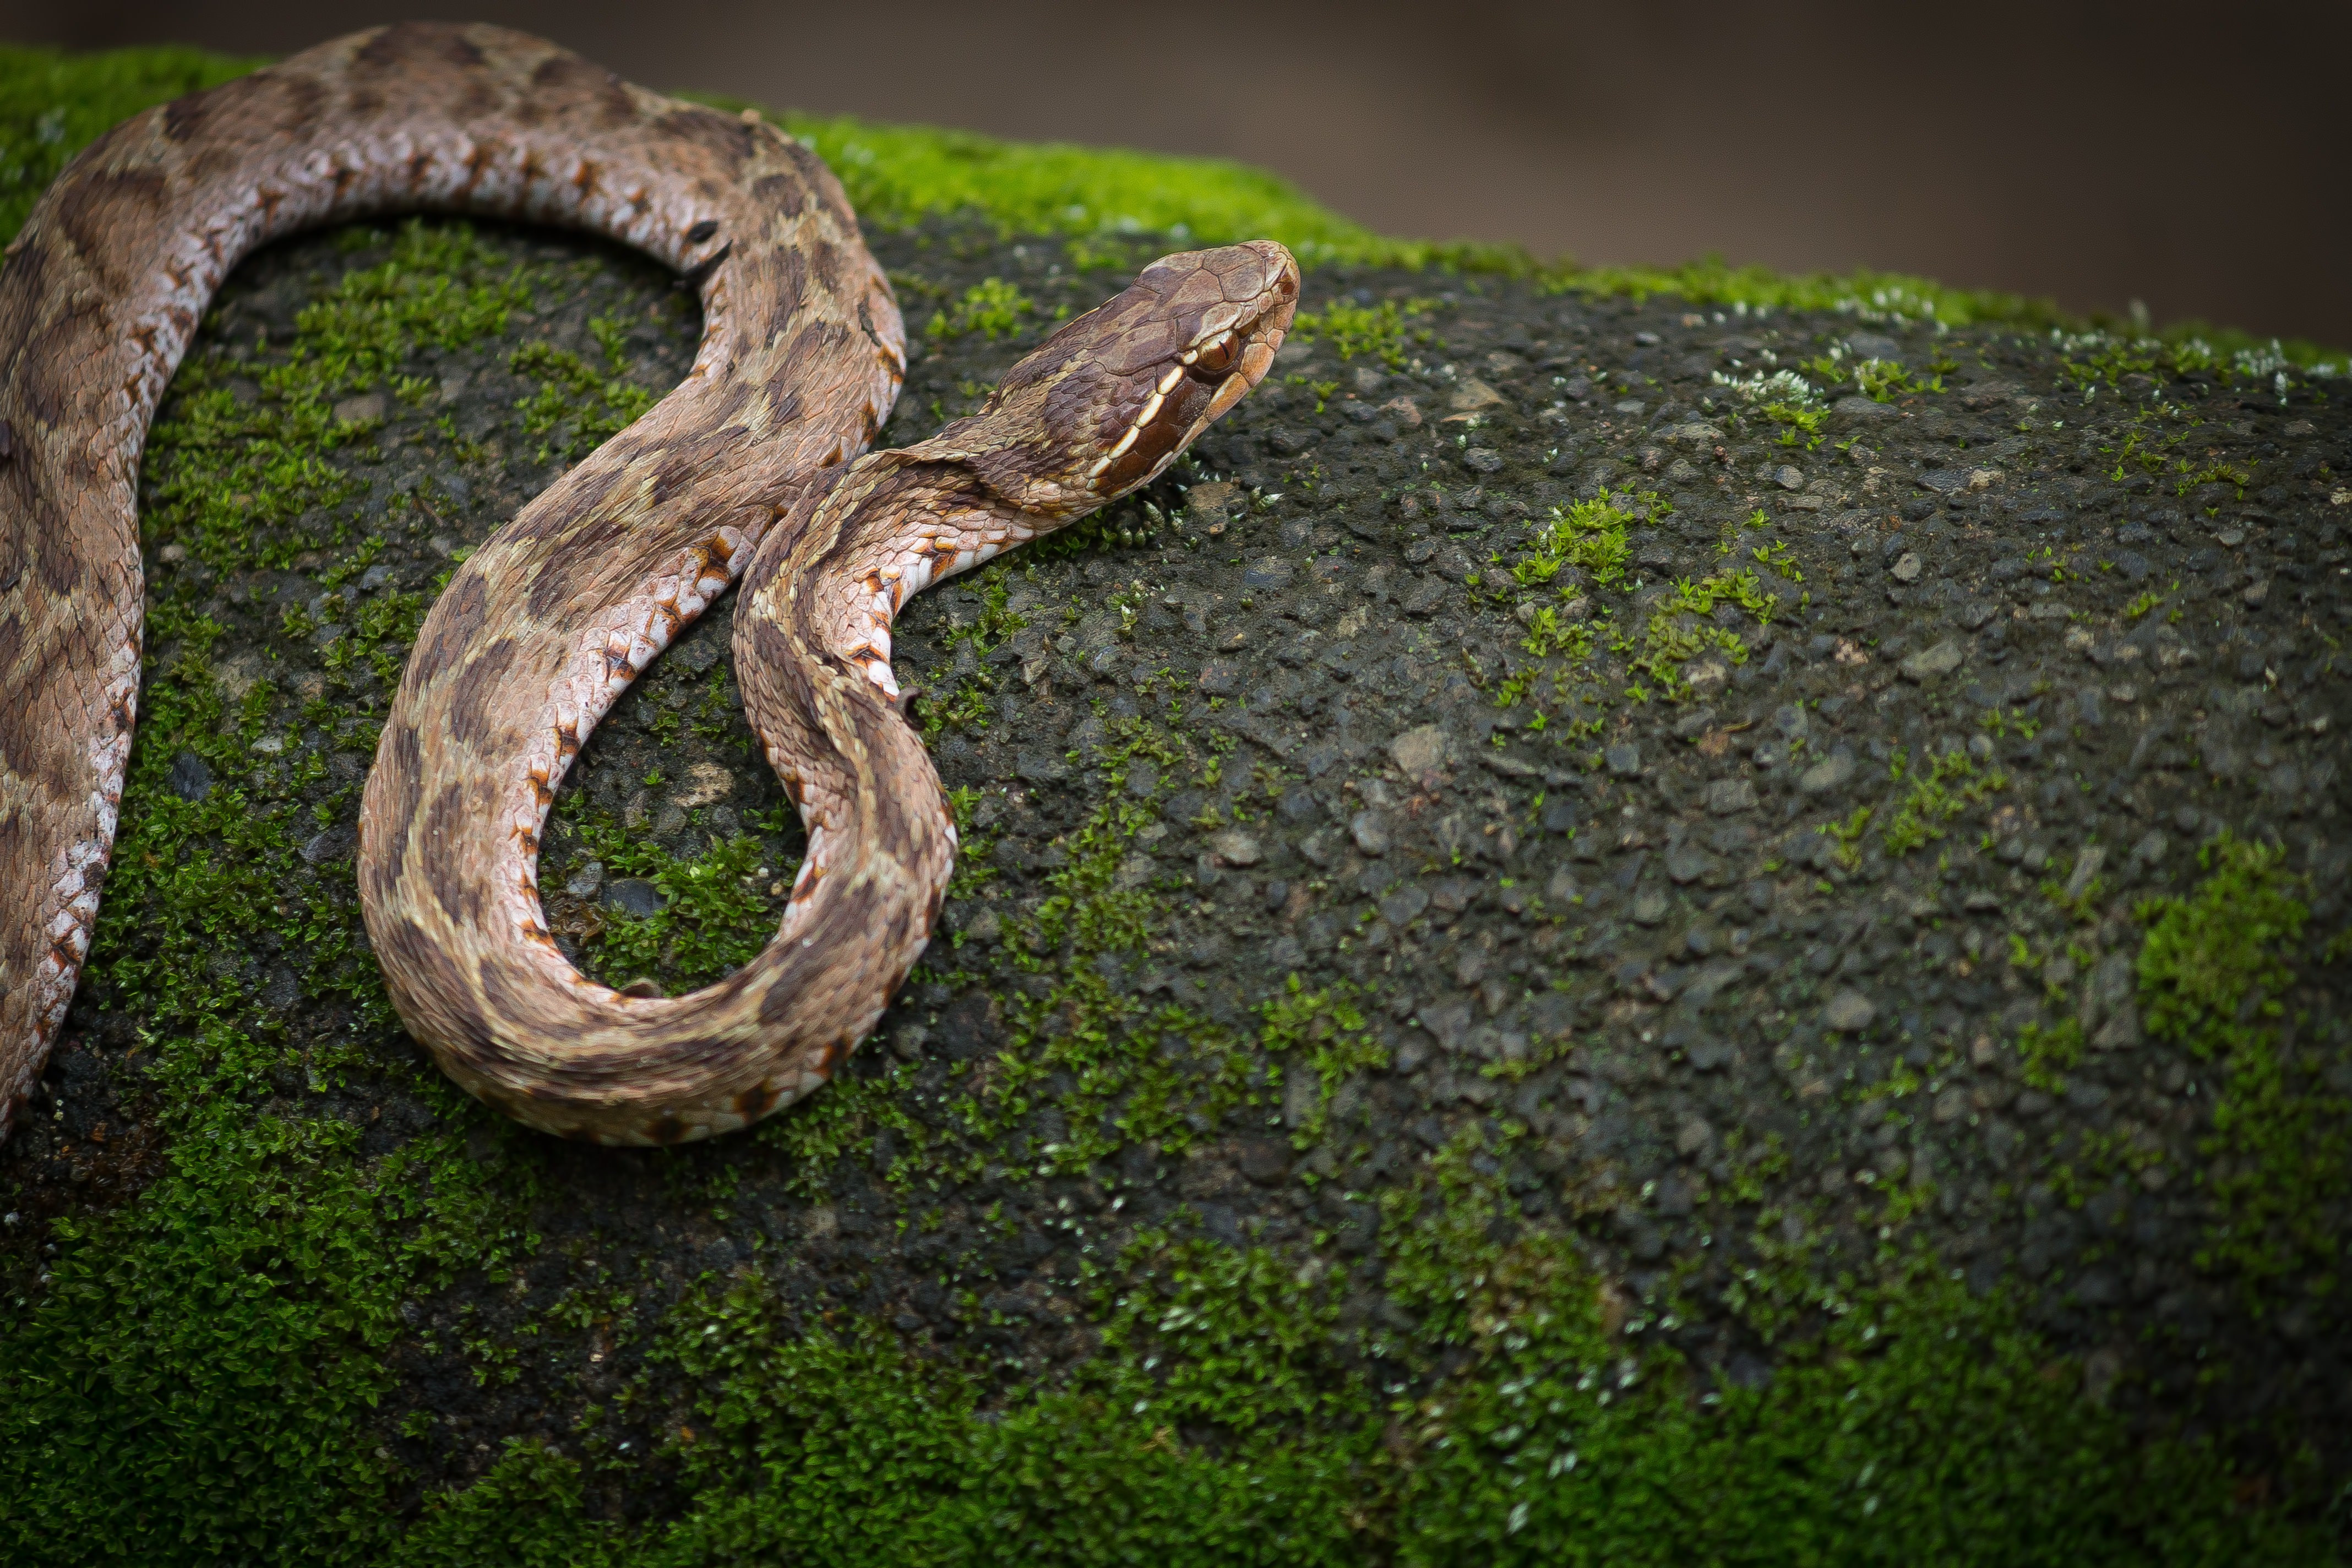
[{"x": 2190, "y": 157}]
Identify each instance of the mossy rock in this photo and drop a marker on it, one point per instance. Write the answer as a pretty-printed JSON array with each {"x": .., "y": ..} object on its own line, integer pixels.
[{"x": 1664, "y": 917}]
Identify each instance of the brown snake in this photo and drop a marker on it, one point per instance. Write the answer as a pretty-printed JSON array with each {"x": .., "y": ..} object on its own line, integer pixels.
[{"x": 751, "y": 467}]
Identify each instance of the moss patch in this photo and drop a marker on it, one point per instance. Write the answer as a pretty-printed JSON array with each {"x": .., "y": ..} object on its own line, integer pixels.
[{"x": 2216, "y": 977}]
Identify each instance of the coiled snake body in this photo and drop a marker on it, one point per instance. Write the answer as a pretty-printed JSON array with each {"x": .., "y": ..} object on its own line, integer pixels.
[{"x": 750, "y": 468}]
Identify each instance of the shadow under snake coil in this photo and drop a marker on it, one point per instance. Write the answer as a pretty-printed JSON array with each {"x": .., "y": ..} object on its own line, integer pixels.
[{"x": 751, "y": 468}]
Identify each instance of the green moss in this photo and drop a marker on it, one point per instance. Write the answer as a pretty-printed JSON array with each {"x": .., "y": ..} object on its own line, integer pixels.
[
  {"x": 2214, "y": 977},
  {"x": 1783, "y": 398},
  {"x": 243, "y": 453},
  {"x": 186, "y": 1386},
  {"x": 1913, "y": 1422},
  {"x": 1351, "y": 328},
  {"x": 1134, "y": 1071},
  {"x": 1849, "y": 836},
  {"x": 1884, "y": 381},
  {"x": 1330, "y": 1036},
  {"x": 1680, "y": 628},
  {"x": 1938, "y": 797},
  {"x": 992, "y": 307},
  {"x": 1590, "y": 535},
  {"x": 53, "y": 104},
  {"x": 579, "y": 408},
  {"x": 2047, "y": 1053},
  {"x": 716, "y": 914}
]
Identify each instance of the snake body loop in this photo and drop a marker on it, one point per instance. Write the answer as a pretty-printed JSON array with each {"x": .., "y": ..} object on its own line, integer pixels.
[{"x": 748, "y": 469}]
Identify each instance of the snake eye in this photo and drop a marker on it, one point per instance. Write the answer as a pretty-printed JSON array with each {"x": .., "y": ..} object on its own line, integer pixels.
[{"x": 1217, "y": 355}]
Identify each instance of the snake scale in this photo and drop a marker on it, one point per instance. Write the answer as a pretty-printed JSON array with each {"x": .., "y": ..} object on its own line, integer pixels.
[{"x": 750, "y": 470}]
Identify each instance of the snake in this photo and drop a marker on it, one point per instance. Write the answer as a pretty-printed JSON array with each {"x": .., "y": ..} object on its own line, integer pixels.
[{"x": 753, "y": 474}]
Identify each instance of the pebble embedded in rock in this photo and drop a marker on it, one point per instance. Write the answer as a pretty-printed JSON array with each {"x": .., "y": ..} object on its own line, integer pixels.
[
  {"x": 1269, "y": 572},
  {"x": 1827, "y": 774},
  {"x": 2086, "y": 870},
  {"x": 1928, "y": 662},
  {"x": 1448, "y": 1024},
  {"x": 1624, "y": 760},
  {"x": 190, "y": 778},
  {"x": 1849, "y": 1013},
  {"x": 337, "y": 843},
  {"x": 633, "y": 896},
  {"x": 1370, "y": 833},
  {"x": 358, "y": 410},
  {"x": 1687, "y": 863},
  {"x": 1404, "y": 906},
  {"x": 1235, "y": 847},
  {"x": 1694, "y": 1137},
  {"x": 1725, "y": 797},
  {"x": 1907, "y": 566},
  {"x": 1472, "y": 395},
  {"x": 1420, "y": 751},
  {"x": 1263, "y": 1161}
]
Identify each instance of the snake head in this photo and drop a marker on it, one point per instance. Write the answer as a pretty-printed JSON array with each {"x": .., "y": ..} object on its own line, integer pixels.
[{"x": 1112, "y": 397}]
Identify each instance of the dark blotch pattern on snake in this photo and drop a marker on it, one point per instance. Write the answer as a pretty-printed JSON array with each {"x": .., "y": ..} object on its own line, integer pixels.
[{"x": 750, "y": 470}]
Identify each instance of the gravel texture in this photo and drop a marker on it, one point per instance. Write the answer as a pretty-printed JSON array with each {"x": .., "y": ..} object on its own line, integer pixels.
[{"x": 1717, "y": 925}]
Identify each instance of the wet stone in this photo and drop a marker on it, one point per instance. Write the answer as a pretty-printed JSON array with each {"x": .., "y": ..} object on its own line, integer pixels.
[
  {"x": 635, "y": 896},
  {"x": 1849, "y": 1012},
  {"x": 1421, "y": 751},
  {"x": 1235, "y": 847},
  {"x": 1726, "y": 796},
  {"x": 1687, "y": 863},
  {"x": 190, "y": 778},
  {"x": 1585, "y": 957},
  {"x": 1827, "y": 774},
  {"x": 336, "y": 843},
  {"x": 1940, "y": 660}
]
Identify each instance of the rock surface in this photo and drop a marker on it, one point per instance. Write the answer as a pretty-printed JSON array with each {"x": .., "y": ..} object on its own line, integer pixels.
[{"x": 1343, "y": 804}]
